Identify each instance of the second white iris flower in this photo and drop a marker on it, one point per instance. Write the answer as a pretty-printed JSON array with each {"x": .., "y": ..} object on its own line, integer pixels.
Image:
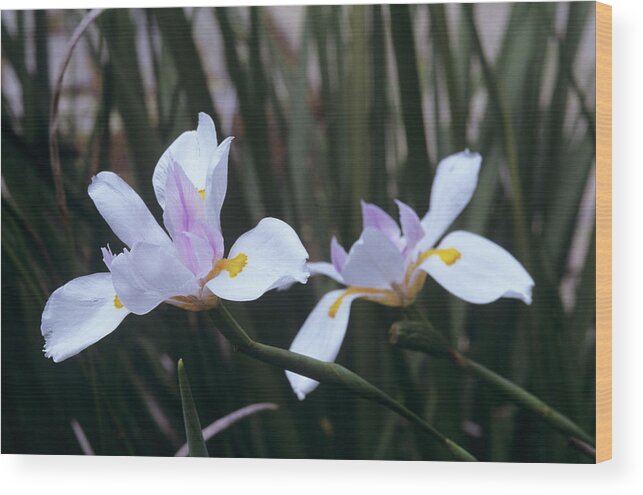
[{"x": 389, "y": 265}]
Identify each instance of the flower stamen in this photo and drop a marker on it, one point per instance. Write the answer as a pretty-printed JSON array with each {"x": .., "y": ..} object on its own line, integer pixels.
[{"x": 202, "y": 193}]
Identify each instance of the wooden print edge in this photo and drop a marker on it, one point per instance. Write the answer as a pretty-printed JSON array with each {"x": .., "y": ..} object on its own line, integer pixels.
[{"x": 603, "y": 232}]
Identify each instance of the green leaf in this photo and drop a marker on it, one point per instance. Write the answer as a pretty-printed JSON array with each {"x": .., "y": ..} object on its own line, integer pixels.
[
  {"x": 193, "y": 432},
  {"x": 415, "y": 175}
]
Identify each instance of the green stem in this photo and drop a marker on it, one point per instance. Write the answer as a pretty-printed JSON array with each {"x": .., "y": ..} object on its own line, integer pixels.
[
  {"x": 329, "y": 373},
  {"x": 422, "y": 337}
]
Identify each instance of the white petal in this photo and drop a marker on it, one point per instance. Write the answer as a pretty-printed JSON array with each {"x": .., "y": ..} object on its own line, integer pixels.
[
  {"x": 484, "y": 273},
  {"x": 217, "y": 183},
  {"x": 453, "y": 186},
  {"x": 373, "y": 261},
  {"x": 193, "y": 151},
  {"x": 78, "y": 314},
  {"x": 320, "y": 337},
  {"x": 274, "y": 257},
  {"x": 148, "y": 275},
  {"x": 125, "y": 211},
  {"x": 325, "y": 268}
]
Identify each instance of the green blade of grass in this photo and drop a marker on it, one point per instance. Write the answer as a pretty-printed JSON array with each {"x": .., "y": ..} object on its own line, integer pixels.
[
  {"x": 415, "y": 175},
  {"x": 193, "y": 431}
]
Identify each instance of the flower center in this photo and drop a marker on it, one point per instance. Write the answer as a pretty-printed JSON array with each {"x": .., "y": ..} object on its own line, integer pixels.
[
  {"x": 202, "y": 193},
  {"x": 398, "y": 296}
]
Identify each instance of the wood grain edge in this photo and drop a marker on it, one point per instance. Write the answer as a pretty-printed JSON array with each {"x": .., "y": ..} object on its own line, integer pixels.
[{"x": 603, "y": 232}]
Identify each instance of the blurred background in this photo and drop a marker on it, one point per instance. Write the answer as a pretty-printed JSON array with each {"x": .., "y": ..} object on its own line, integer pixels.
[{"x": 329, "y": 105}]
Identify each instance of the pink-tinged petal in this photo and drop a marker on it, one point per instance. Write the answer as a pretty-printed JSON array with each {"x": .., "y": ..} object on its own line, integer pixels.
[
  {"x": 325, "y": 268},
  {"x": 338, "y": 254},
  {"x": 453, "y": 187},
  {"x": 483, "y": 273},
  {"x": 266, "y": 257},
  {"x": 374, "y": 262},
  {"x": 193, "y": 152},
  {"x": 79, "y": 314},
  {"x": 411, "y": 226},
  {"x": 195, "y": 251},
  {"x": 217, "y": 184},
  {"x": 198, "y": 245},
  {"x": 124, "y": 211},
  {"x": 148, "y": 275},
  {"x": 320, "y": 337},
  {"x": 374, "y": 217},
  {"x": 184, "y": 207}
]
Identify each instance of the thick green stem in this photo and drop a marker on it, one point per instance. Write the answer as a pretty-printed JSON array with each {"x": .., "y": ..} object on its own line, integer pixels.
[
  {"x": 329, "y": 373},
  {"x": 422, "y": 337}
]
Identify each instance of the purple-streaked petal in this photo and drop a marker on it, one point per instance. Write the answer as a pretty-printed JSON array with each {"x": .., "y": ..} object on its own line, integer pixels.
[
  {"x": 148, "y": 275},
  {"x": 453, "y": 186},
  {"x": 217, "y": 184},
  {"x": 338, "y": 254},
  {"x": 411, "y": 226},
  {"x": 195, "y": 252},
  {"x": 79, "y": 314},
  {"x": 193, "y": 151},
  {"x": 320, "y": 337},
  {"x": 184, "y": 207},
  {"x": 124, "y": 211},
  {"x": 198, "y": 244},
  {"x": 484, "y": 272},
  {"x": 325, "y": 268},
  {"x": 271, "y": 254},
  {"x": 375, "y": 217},
  {"x": 373, "y": 262}
]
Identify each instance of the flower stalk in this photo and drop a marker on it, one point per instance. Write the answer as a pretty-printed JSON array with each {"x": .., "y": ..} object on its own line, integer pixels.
[
  {"x": 325, "y": 372},
  {"x": 422, "y": 337}
]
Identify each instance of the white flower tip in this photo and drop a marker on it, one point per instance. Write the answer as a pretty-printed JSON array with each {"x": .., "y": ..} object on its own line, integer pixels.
[
  {"x": 204, "y": 118},
  {"x": 527, "y": 295},
  {"x": 57, "y": 357},
  {"x": 467, "y": 153},
  {"x": 301, "y": 385}
]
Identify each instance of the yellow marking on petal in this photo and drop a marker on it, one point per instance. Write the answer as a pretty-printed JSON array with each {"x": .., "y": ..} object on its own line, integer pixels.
[
  {"x": 233, "y": 266},
  {"x": 117, "y": 302},
  {"x": 448, "y": 255},
  {"x": 414, "y": 280},
  {"x": 390, "y": 298},
  {"x": 202, "y": 193}
]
